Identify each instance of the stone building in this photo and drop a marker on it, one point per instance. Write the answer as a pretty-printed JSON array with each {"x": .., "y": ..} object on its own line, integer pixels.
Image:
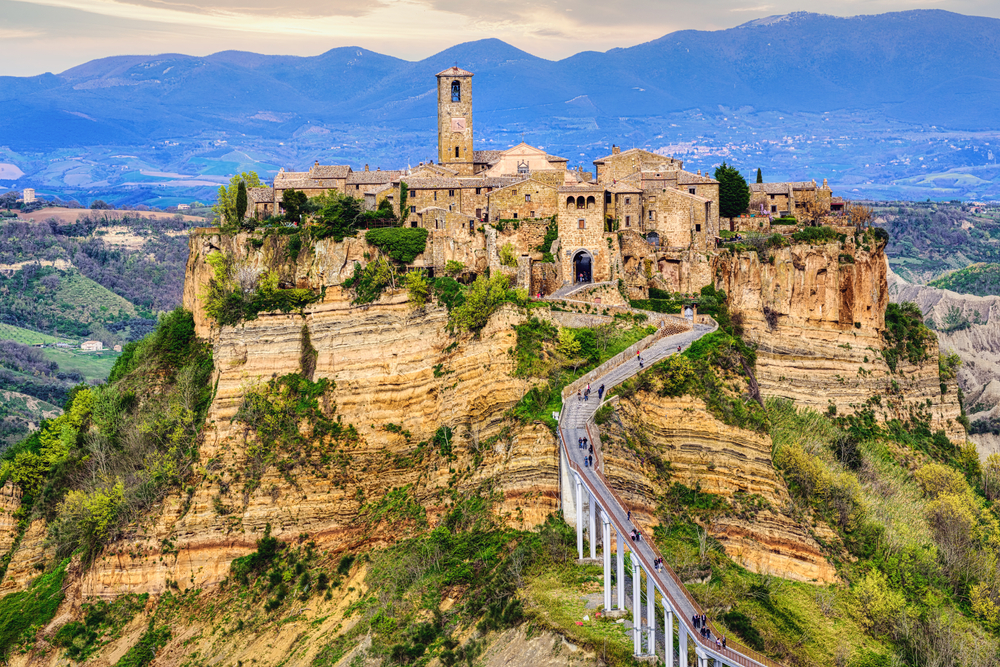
[
  {"x": 640, "y": 218},
  {"x": 523, "y": 200},
  {"x": 800, "y": 199}
]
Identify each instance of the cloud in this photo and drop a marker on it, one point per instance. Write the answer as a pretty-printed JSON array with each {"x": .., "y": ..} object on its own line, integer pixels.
[
  {"x": 297, "y": 9},
  {"x": 13, "y": 33},
  {"x": 760, "y": 8}
]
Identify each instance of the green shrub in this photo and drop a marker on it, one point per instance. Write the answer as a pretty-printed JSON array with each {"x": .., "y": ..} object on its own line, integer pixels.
[
  {"x": 785, "y": 220},
  {"x": 369, "y": 282},
  {"x": 33, "y": 607},
  {"x": 818, "y": 235},
  {"x": 906, "y": 335},
  {"x": 402, "y": 244},
  {"x": 254, "y": 563},
  {"x": 145, "y": 649},
  {"x": 482, "y": 300}
]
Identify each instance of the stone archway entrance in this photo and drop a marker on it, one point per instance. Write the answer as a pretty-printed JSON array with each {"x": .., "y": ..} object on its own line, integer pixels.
[{"x": 583, "y": 267}]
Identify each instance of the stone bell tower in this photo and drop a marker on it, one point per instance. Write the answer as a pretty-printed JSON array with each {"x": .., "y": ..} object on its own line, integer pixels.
[{"x": 455, "y": 120}]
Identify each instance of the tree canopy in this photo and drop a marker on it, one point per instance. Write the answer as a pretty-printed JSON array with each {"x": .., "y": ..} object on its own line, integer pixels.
[
  {"x": 734, "y": 193},
  {"x": 226, "y": 213}
]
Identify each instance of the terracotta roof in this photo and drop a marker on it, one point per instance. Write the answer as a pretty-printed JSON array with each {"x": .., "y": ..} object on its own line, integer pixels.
[
  {"x": 329, "y": 171},
  {"x": 372, "y": 177},
  {"x": 290, "y": 175},
  {"x": 490, "y": 181},
  {"x": 432, "y": 183},
  {"x": 687, "y": 178},
  {"x": 633, "y": 150},
  {"x": 781, "y": 188},
  {"x": 486, "y": 157},
  {"x": 299, "y": 184},
  {"x": 455, "y": 71},
  {"x": 380, "y": 189},
  {"x": 260, "y": 195},
  {"x": 556, "y": 158},
  {"x": 582, "y": 187},
  {"x": 624, "y": 187},
  {"x": 523, "y": 181}
]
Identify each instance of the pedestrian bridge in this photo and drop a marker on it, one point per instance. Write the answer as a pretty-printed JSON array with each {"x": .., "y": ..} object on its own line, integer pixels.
[{"x": 587, "y": 494}]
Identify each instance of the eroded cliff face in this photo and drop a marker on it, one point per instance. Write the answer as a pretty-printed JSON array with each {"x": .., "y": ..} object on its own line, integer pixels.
[
  {"x": 732, "y": 463},
  {"x": 399, "y": 376},
  {"x": 817, "y": 321},
  {"x": 976, "y": 342}
]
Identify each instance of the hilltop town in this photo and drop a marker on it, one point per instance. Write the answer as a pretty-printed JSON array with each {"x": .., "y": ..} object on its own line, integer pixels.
[{"x": 640, "y": 217}]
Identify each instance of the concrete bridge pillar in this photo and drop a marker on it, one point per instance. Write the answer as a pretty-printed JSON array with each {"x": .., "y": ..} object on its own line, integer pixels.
[
  {"x": 668, "y": 633},
  {"x": 682, "y": 637},
  {"x": 636, "y": 606},
  {"x": 606, "y": 549},
  {"x": 592, "y": 527},
  {"x": 620, "y": 560},
  {"x": 650, "y": 615},
  {"x": 579, "y": 517}
]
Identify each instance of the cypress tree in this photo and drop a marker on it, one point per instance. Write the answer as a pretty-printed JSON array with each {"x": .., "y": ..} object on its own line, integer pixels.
[
  {"x": 760, "y": 176},
  {"x": 734, "y": 193},
  {"x": 241, "y": 202}
]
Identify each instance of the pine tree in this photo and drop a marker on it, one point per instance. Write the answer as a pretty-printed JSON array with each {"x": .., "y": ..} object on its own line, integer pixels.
[
  {"x": 760, "y": 176},
  {"x": 734, "y": 193}
]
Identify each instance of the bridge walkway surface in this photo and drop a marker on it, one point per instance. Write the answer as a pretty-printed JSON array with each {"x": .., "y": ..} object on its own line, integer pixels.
[{"x": 575, "y": 422}]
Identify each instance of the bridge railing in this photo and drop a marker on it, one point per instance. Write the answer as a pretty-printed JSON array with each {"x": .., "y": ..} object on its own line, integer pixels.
[{"x": 734, "y": 651}]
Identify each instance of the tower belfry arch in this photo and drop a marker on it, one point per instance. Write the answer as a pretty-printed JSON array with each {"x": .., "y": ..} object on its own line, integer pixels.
[{"x": 455, "y": 120}]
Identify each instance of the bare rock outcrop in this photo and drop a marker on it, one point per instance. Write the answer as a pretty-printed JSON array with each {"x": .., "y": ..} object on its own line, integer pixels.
[
  {"x": 974, "y": 337},
  {"x": 817, "y": 321},
  {"x": 729, "y": 462}
]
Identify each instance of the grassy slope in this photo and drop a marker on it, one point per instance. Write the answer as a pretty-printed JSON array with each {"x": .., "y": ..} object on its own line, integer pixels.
[
  {"x": 27, "y": 336},
  {"x": 91, "y": 365},
  {"x": 89, "y": 301},
  {"x": 980, "y": 279}
]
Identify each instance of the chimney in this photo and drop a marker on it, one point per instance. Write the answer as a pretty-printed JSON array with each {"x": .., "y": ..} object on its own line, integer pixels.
[
  {"x": 699, "y": 172},
  {"x": 615, "y": 150},
  {"x": 317, "y": 163},
  {"x": 366, "y": 167},
  {"x": 825, "y": 186}
]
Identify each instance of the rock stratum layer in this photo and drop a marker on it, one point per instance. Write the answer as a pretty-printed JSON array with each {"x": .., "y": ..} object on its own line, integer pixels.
[
  {"x": 976, "y": 342},
  {"x": 817, "y": 322},
  {"x": 719, "y": 459}
]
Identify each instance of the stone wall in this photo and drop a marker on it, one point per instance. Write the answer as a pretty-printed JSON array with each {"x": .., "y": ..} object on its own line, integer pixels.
[
  {"x": 512, "y": 202},
  {"x": 582, "y": 229},
  {"x": 544, "y": 278},
  {"x": 680, "y": 219}
]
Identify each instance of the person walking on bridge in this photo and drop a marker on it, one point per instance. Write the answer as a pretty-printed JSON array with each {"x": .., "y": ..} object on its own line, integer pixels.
[{"x": 600, "y": 392}]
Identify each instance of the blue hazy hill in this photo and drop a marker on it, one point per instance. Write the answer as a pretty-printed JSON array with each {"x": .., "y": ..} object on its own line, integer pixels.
[{"x": 926, "y": 66}]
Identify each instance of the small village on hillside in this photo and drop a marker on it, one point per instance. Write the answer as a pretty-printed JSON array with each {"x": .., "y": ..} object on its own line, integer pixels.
[{"x": 639, "y": 217}]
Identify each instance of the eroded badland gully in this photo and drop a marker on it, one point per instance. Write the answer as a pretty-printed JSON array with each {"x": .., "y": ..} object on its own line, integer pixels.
[{"x": 814, "y": 311}]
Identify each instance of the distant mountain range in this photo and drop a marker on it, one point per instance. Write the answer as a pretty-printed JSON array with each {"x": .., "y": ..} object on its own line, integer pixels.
[{"x": 908, "y": 69}]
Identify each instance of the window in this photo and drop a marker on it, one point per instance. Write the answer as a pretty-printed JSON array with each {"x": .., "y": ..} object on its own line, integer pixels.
[
  {"x": 456, "y": 91},
  {"x": 479, "y": 191},
  {"x": 582, "y": 223},
  {"x": 515, "y": 215},
  {"x": 413, "y": 209},
  {"x": 413, "y": 224},
  {"x": 628, "y": 220},
  {"x": 772, "y": 196},
  {"x": 652, "y": 215},
  {"x": 607, "y": 197},
  {"x": 451, "y": 193},
  {"x": 435, "y": 195},
  {"x": 527, "y": 198},
  {"x": 479, "y": 215},
  {"x": 692, "y": 190},
  {"x": 456, "y": 151},
  {"x": 774, "y": 209},
  {"x": 628, "y": 200},
  {"x": 532, "y": 214},
  {"x": 697, "y": 228}
]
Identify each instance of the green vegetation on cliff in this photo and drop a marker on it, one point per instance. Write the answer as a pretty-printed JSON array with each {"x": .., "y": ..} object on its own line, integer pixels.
[
  {"x": 980, "y": 279},
  {"x": 118, "y": 447}
]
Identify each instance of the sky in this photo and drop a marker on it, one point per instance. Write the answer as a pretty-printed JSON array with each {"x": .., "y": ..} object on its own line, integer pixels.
[{"x": 38, "y": 36}]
